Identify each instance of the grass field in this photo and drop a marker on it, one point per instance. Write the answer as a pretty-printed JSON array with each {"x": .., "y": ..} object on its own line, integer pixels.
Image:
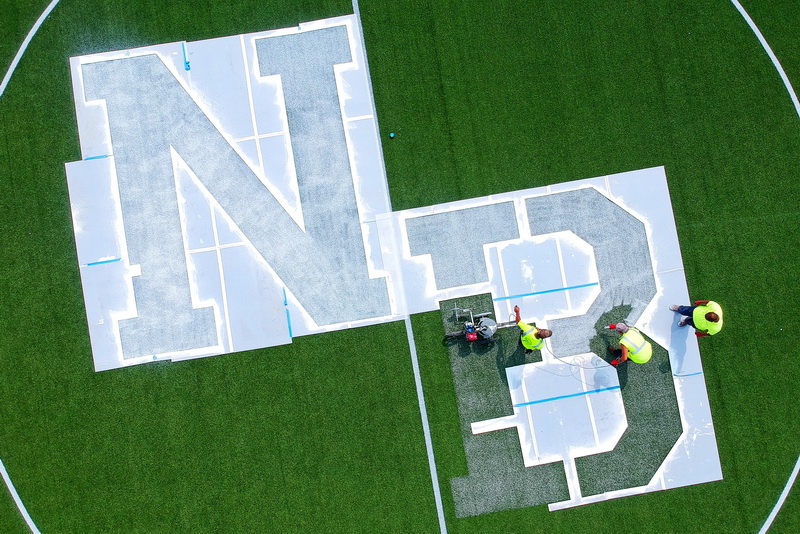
[{"x": 325, "y": 435}]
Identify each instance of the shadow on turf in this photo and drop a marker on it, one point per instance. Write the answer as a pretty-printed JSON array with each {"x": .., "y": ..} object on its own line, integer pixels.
[
  {"x": 605, "y": 339},
  {"x": 505, "y": 348}
]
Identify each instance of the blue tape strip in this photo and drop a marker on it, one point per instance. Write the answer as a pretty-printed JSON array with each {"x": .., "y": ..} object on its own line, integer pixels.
[
  {"x": 548, "y": 291},
  {"x": 102, "y": 262},
  {"x": 691, "y": 374},
  {"x": 288, "y": 315},
  {"x": 185, "y": 59},
  {"x": 96, "y": 157},
  {"x": 566, "y": 396},
  {"x": 289, "y": 321}
]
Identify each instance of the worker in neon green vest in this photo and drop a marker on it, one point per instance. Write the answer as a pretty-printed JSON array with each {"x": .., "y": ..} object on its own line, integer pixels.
[
  {"x": 705, "y": 316},
  {"x": 632, "y": 345},
  {"x": 532, "y": 338}
]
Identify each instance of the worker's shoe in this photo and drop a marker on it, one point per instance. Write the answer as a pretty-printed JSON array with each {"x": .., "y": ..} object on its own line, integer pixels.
[
  {"x": 682, "y": 323},
  {"x": 674, "y": 307}
]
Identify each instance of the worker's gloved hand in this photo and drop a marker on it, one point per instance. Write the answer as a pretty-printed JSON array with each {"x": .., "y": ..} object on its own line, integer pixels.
[
  {"x": 516, "y": 309},
  {"x": 612, "y": 326},
  {"x": 614, "y": 362}
]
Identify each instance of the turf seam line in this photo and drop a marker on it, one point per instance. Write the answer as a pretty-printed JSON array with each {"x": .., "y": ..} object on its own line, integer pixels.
[
  {"x": 561, "y": 268},
  {"x": 223, "y": 288},
  {"x": 782, "y": 498},
  {"x": 220, "y": 247},
  {"x": 17, "y": 500},
  {"x": 546, "y": 291},
  {"x": 425, "y": 425},
  {"x": 24, "y": 45},
  {"x": 529, "y": 414},
  {"x": 592, "y": 418},
  {"x": 566, "y": 396},
  {"x": 770, "y": 53},
  {"x": 256, "y": 136}
]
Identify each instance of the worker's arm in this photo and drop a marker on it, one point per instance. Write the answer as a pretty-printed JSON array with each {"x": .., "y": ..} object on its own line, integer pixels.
[
  {"x": 621, "y": 358},
  {"x": 516, "y": 311}
]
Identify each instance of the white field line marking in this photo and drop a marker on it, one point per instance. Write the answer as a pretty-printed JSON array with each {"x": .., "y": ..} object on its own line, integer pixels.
[
  {"x": 357, "y": 13},
  {"x": 25, "y": 44},
  {"x": 426, "y": 430},
  {"x": 771, "y": 55},
  {"x": 17, "y": 500},
  {"x": 782, "y": 498},
  {"x": 793, "y": 96}
]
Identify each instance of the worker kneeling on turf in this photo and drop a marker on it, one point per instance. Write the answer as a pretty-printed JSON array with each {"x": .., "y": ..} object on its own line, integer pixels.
[
  {"x": 531, "y": 337},
  {"x": 632, "y": 345}
]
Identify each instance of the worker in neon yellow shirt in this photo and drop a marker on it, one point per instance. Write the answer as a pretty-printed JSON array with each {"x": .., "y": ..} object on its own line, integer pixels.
[
  {"x": 532, "y": 338},
  {"x": 632, "y": 345},
  {"x": 705, "y": 316}
]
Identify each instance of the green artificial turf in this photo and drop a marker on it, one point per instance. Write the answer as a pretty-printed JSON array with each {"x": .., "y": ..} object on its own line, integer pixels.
[
  {"x": 325, "y": 435},
  {"x": 497, "y": 477},
  {"x": 651, "y": 409},
  {"x": 10, "y": 519}
]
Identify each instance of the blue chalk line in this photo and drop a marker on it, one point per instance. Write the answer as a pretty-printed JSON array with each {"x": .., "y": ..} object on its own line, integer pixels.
[
  {"x": 548, "y": 291},
  {"x": 102, "y": 262},
  {"x": 566, "y": 396},
  {"x": 690, "y": 374},
  {"x": 288, "y": 315},
  {"x": 185, "y": 59},
  {"x": 97, "y": 157}
]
